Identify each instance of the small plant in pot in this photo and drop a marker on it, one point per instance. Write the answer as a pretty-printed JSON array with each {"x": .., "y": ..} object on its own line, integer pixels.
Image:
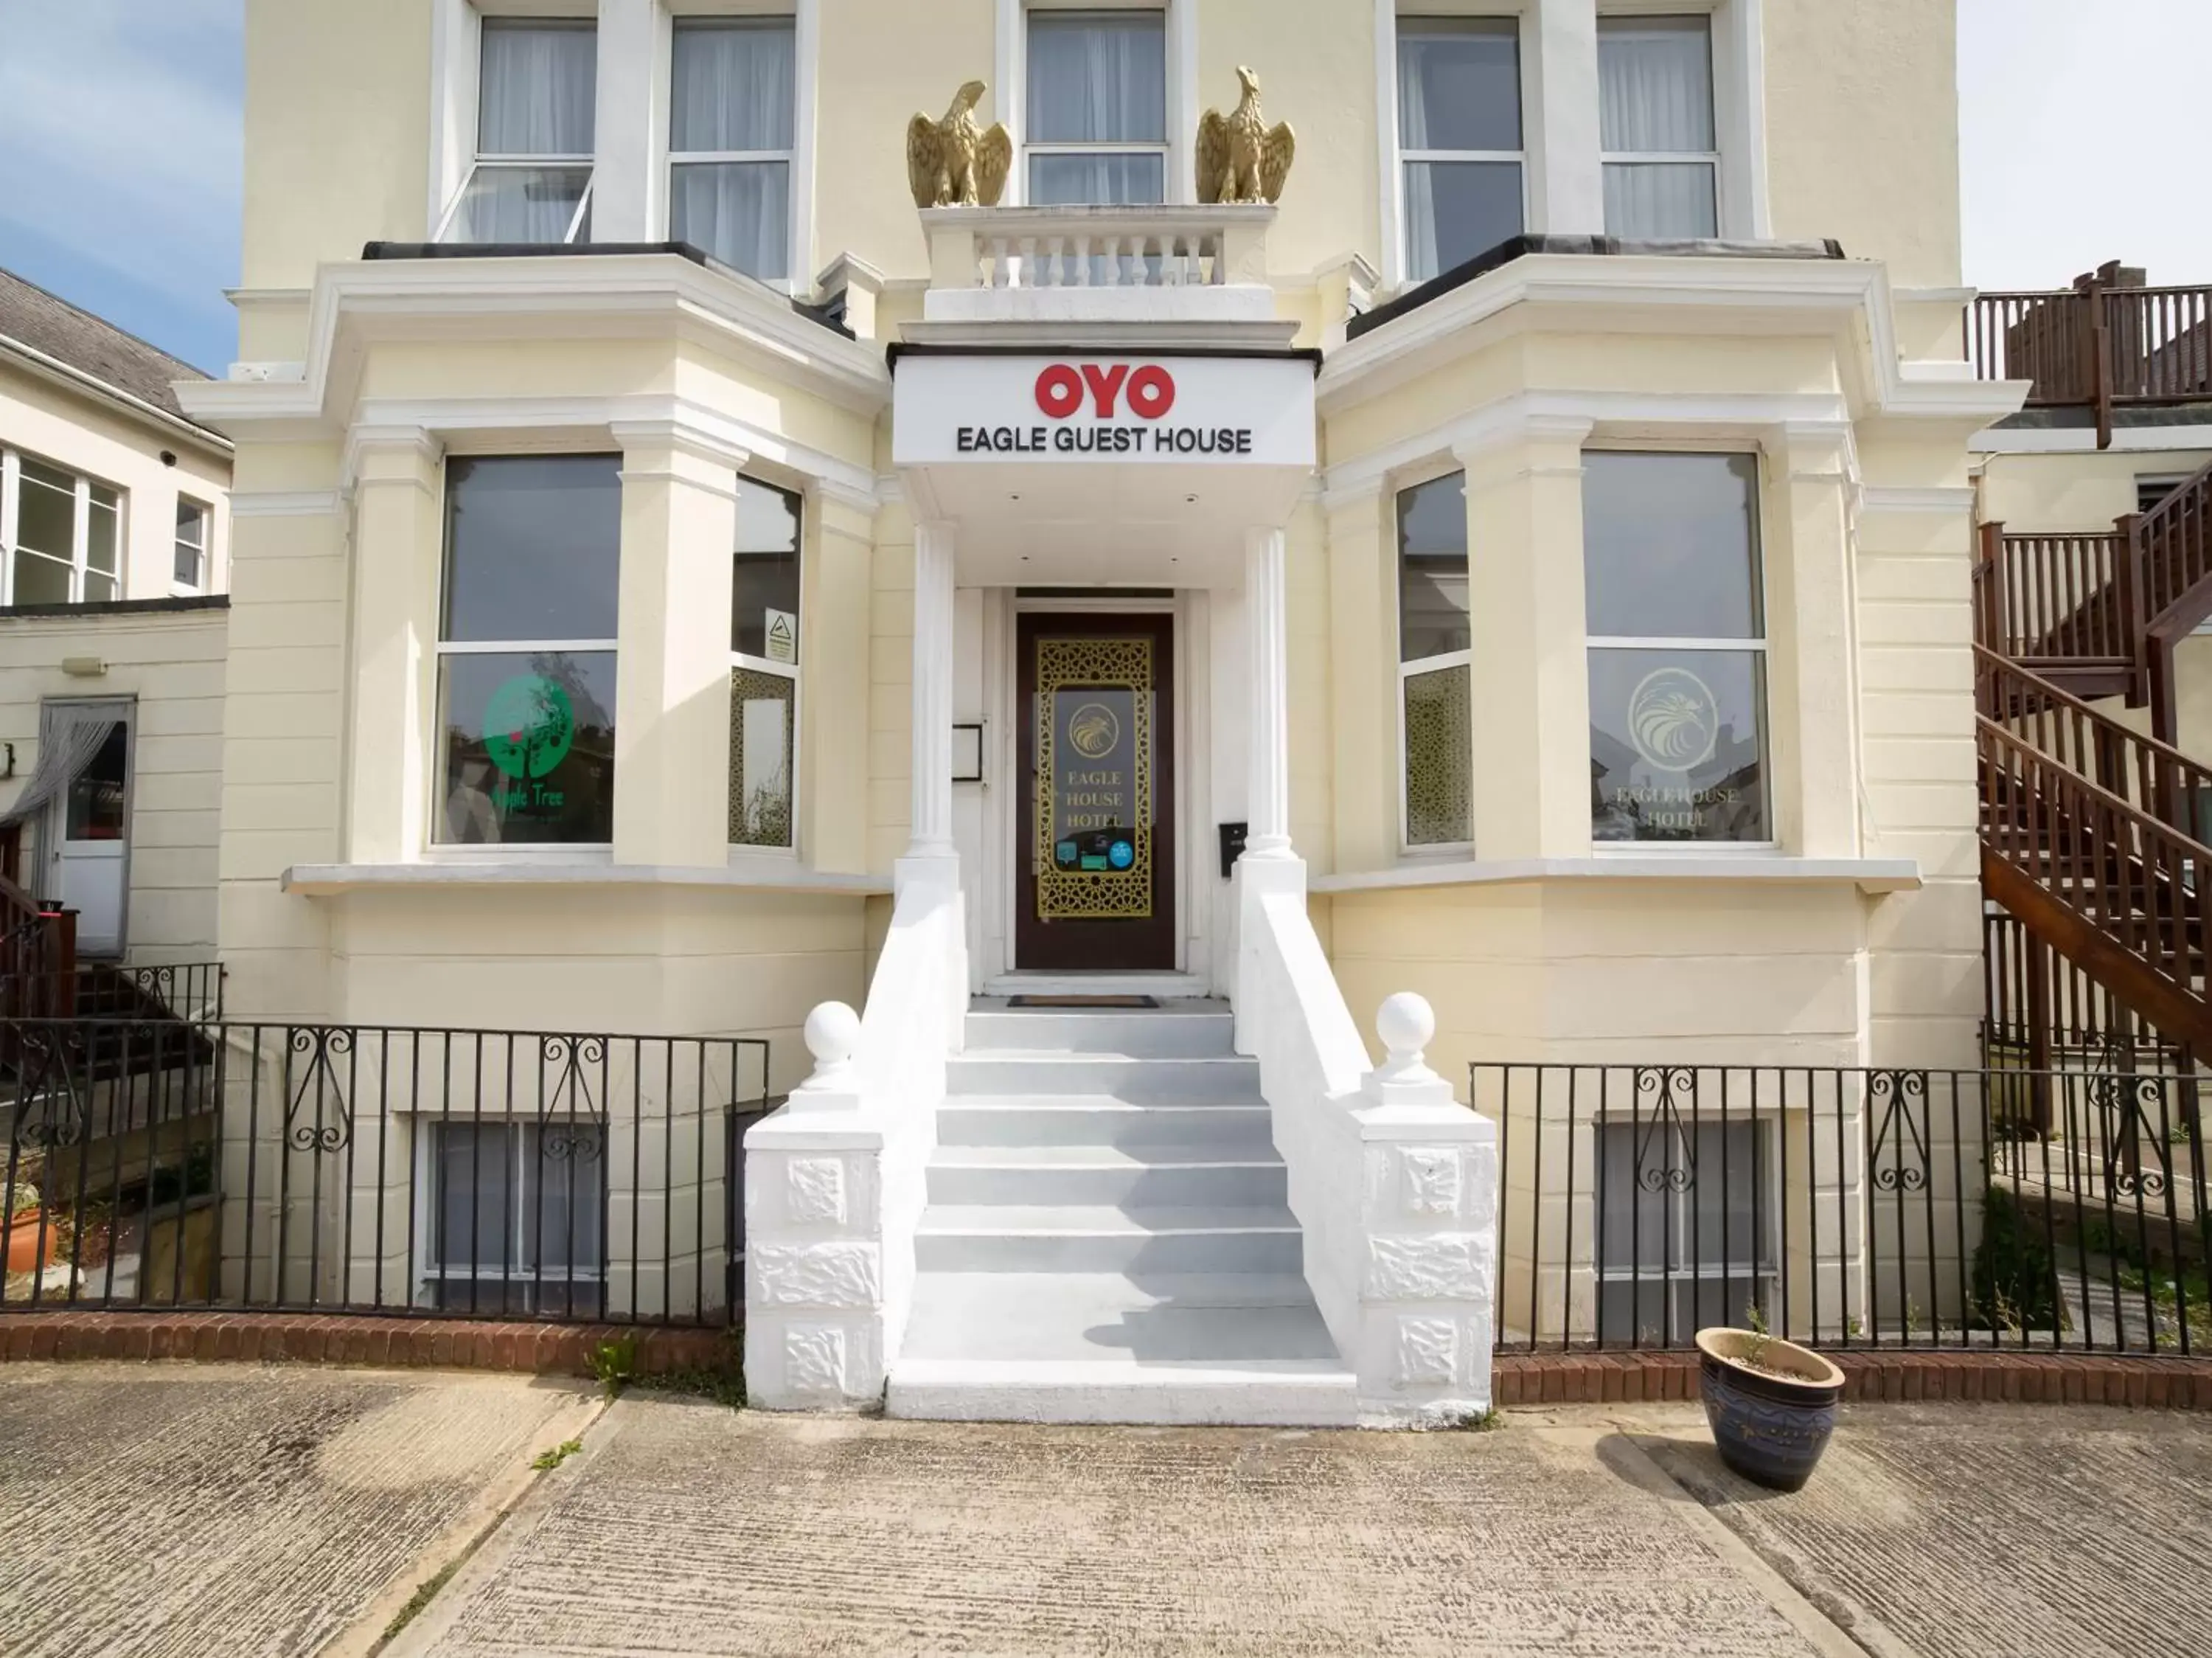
[
  {"x": 31, "y": 1239},
  {"x": 1771, "y": 1403}
]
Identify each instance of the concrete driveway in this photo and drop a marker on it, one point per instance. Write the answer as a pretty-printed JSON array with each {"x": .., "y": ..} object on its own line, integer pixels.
[{"x": 204, "y": 1510}]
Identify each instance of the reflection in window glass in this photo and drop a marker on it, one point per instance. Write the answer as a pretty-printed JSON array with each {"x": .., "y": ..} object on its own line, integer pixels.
[
  {"x": 94, "y": 809},
  {"x": 764, "y": 636},
  {"x": 1459, "y": 97},
  {"x": 534, "y": 547},
  {"x": 530, "y": 747},
  {"x": 1671, "y": 544},
  {"x": 1436, "y": 720},
  {"x": 1432, "y": 569},
  {"x": 1097, "y": 107},
  {"x": 1656, "y": 122},
  {"x": 733, "y": 105},
  {"x": 1678, "y": 745},
  {"x": 764, "y": 592}
]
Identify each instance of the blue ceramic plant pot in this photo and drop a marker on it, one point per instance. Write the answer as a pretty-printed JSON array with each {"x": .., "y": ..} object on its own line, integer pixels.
[{"x": 1769, "y": 1427}]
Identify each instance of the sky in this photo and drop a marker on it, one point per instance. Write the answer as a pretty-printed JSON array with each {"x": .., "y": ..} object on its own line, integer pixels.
[{"x": 2083, "y": 134}]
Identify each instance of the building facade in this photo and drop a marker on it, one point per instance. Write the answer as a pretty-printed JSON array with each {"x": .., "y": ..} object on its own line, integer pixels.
[{"x": 1521, "y": 555}]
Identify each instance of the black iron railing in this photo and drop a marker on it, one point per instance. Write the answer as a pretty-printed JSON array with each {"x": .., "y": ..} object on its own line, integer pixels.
[
  {"x": 1851, "y": 1208},
  {"x": 581, "y": 1178}
]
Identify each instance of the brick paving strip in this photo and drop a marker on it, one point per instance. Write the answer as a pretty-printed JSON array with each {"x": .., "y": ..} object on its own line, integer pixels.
[{"x": 2012, "y": 1377}]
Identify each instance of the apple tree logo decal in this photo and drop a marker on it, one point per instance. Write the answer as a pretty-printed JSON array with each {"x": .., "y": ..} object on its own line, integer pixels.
[
  {"x": 1674, "y": 720},
  {"x": 529, "y": 725}
]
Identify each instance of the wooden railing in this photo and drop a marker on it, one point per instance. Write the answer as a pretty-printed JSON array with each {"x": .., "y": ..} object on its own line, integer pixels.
[
  {"x": 2154, "y": 777},
  {"x": 38, "y": 958},
  {"x": 2060, "y": 598},
  {"x": 2176, "y": 540},
  {"x": 2105, "y": 344},
  {"x": 2107, "y": 885}
]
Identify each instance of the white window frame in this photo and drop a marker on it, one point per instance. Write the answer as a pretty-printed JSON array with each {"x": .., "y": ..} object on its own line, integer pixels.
[
  {"x": 457, "y": 60},
  {"x": 80, "y": 565},
  {"x": 429, "y": 1271},
  {"x": 1010, "y": 94},
  {"x": 805, "y": 18},
  {"x": 1712, "y": 159},
  {"x": 1402, "y": 226},
  {"x": 1407, "y": 847},
  {"x": 1757, "y": 646},
  {"x": 790, "y": 671},
  {"x": 179, "y": 586},
  {"x": 436, "y": 846}
]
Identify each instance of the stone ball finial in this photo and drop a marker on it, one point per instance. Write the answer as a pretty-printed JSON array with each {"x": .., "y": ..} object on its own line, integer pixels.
[
  {"x": 1407, "y": 1024},
  {"x": 833, "y": 1036}
]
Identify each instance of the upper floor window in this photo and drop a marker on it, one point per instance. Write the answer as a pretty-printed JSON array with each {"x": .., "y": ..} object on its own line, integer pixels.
[
  {"x": 1459, "y": 138},
  {"x": 1097, "y": 107},
  {"x": 732, "y": 115},
  {"x": 1677, "y": 647},
  {"x": 763, "y": 666},
  {"x": 1655, "y": 126},
  {"x": 191, "y": 566},
  {"x": 62, "y": 535},
  {"x": 526, "y": 649},
  {"x": 1435, "y": 663},
  {"x": 532, "y": 178}
]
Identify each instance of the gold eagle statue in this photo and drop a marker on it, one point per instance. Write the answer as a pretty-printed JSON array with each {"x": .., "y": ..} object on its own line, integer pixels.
[
  {"x": 1240, "y": 157},
  {"x": 956, "y": 162}
]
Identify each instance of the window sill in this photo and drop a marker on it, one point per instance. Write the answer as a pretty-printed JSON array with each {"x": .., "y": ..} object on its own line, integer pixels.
[
  {"x": 327, "y": 880},
  {"x": 1869, "y": 874}
]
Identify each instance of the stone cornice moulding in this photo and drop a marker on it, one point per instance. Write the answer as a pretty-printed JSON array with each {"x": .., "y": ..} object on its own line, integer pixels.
[
  {"x": 285, "y": 503},
  {"x": 1945, "y": 501},
  {"x": 839, "y": 493},
  {"x": 685, "y": 437},
  {"x": 410, "y": 439},
  {"x": 747, "y": 875},
  {"x": 1845, "y": 291},
  {"x": 406, "y": 299},
  {"x": 1869, "y": 874}
]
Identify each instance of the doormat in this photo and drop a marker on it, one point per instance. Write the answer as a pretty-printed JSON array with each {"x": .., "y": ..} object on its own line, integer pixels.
[{"x": 1081, "y": 1002}]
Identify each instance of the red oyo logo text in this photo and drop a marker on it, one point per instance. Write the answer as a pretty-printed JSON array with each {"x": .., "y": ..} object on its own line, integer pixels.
[{"x": 1061, "y": 387}]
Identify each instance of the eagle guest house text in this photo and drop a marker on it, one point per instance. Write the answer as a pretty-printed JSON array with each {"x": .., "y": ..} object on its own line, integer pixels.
[{"x": 1148, "y": 393}]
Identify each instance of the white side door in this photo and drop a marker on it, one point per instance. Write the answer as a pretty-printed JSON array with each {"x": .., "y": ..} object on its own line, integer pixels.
[{"x": 91, "y": 852}]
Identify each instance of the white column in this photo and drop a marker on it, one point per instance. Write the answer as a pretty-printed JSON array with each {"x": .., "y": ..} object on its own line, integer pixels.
[
  {"x": 933, "y": 693},
  {"x": 1267, "y": 802},
  {"x": 1567, "y": 183}
]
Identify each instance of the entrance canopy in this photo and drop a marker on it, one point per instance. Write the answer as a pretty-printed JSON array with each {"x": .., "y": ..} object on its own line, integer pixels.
[{"x": 1103, "y": 468}]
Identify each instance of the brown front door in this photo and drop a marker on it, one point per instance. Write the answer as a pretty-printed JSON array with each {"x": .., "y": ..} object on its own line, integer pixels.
[{"x": 1096, "y": 854}]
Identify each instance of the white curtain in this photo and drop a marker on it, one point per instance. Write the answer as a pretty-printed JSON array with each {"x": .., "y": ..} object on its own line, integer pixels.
[
  {"x": 539, "y": 82},
  {"x": 69, "y": 738},
  {"x": 1459, "y": 89},
  {"x": 1656, "y": 94},
  {"x": 735, "y": 89},
  {"x": 1099, "y": 79}
]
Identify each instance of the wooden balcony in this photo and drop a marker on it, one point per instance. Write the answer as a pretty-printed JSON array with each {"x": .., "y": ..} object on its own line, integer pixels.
[{"x": 2111, "y": 342}]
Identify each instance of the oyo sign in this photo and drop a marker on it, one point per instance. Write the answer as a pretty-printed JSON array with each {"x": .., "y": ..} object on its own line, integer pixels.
[{"x": 1231, "y": 410}]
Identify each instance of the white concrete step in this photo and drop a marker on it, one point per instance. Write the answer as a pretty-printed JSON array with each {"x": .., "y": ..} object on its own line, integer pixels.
[
  {"x": 1225, "y": 1079},
  {"x": 1199, "y": 1175},
  {"x": 1079, "y": 1347},
  {"x": 1093, "y": 1238},
  {"x": 1164, "y": 986},
  {"x": 1200, "y": 1030},
  {"x": 1098, "y": 1120}
]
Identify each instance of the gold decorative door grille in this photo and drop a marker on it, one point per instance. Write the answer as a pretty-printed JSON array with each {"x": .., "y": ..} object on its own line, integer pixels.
[{"x": 1095, "y": 757}]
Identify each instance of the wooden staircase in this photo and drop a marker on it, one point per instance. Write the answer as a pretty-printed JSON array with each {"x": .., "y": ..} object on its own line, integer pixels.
[{"x": 2095, "y": 836}]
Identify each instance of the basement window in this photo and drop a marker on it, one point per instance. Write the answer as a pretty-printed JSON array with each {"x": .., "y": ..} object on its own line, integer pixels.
[{"x": 516, "y": 1221}]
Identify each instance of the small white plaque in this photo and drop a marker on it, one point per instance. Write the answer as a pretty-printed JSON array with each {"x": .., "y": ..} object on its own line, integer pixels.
[{"x": 782, "y": 631}]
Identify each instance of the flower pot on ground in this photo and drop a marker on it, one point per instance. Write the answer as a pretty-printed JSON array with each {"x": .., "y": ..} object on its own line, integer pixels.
[
  {"x": 32, "y": 1240},
  {"x": 1771, "y": 1403}
]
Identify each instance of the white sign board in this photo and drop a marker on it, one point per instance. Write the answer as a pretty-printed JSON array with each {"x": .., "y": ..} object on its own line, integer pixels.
[{"x": 1093, "y": 409}]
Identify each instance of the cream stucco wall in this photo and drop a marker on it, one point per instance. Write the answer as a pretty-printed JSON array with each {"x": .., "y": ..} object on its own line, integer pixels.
[{"x": 172, "y": 664}]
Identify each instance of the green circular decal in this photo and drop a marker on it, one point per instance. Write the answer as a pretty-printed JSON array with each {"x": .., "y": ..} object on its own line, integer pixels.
[{"x": 529, "y": 725}]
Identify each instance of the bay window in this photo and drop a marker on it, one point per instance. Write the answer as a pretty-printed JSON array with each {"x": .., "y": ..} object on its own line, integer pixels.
[
  {"x": 1459, "y": 138},
  {"x": 1097, "y": 115},
  {"x": 526, "y": 650},
  {"x": 532, "y": 178},
  {"x": 61, "y": 535},
  {"x": 763, "y": 666},
  {"x": 732, "y": 116},
  {"x": 1655, "y": 126},
  {"x": 1435, "y": 664},
  {"x": 1677, "y": 647}
]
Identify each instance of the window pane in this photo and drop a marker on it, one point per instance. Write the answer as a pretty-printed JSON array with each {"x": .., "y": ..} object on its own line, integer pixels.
[
  {"x": 1655, "y": 83},
  {"x": 764, "y": 593},
  {"x": 1098, "y": 77},
  {"x": 1111, "y": 180},
  {"x": 475, "y": 1218},
  {"x": 192, "y": 522},
  {"x": 45, "y": 519},
  {"x": 734, "y": 84},
  {"x": 1660, "y": 200},
  {"x": 533, "y": 546},
  {"x": 563, "y": 1173},
  {"x": 1638, "y": 1164},
  {"x": 1459, "y": 84},
  {"x": 1432, "y": 569},
  {"x": 1671, "y": 545},
  {"x": 540, "y": 83},
  {"x": 1439, "y": 759},
  {"x": 95, "y": 807},
  {"x": 1456, "y": 211},
  {"x": 534, "y": 206},
  {"x": 738, "y": 212},
  {"x": 530, "y": 747},
  {"x": 188, "y": 565},
  {"x": 99, "y": 537},
  {"x": 1678, "y": 745},
  {"x": 40, "y": 580},
  {"x": 760, "y": 725},
  {"x": 99, "y": 589},
  {"x": 1733, "y": 1191}
]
